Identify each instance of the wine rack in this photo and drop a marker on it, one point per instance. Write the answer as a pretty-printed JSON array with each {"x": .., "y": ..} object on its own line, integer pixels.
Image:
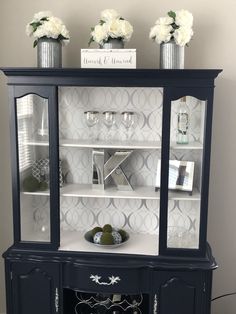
[{"x": 100, "y": 303}]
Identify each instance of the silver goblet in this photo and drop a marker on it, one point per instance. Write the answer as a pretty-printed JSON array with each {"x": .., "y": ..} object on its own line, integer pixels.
[
  {"x": 109, "y": 118},
  {"x": 128, "y": 120},
  {"x": 91, "y": 119}
]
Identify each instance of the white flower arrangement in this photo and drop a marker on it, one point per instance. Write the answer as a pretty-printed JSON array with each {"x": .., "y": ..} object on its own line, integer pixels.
[
  {"x": 44, "y": 24},
  {"x": 111, "y": 26},
  {"x": 175, "y": 26}
]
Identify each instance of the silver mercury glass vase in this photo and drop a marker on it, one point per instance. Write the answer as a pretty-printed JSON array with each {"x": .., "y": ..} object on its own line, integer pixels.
[
  {"x": 49, "y": 52},
  {"x": 113, "y": 44},
  {"x": 171, "y": 56}
]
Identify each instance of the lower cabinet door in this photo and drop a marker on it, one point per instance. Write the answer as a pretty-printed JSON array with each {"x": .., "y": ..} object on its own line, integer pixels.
[
  {"x": 178, "y": 292},
  {"x": 35, "y": 288}
]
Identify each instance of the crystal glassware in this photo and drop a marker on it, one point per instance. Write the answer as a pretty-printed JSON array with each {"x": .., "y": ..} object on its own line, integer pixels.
[
  {"x": 43, "y": 127},
  {"x": 128, "y": 120},
  {"x": 109, "y": 118},
  {"x": 182, "y": 136},
  {"x": 91, "y": 119}
]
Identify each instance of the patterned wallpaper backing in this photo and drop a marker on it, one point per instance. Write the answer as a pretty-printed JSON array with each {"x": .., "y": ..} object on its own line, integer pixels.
[{"x": 134, "y": 215}]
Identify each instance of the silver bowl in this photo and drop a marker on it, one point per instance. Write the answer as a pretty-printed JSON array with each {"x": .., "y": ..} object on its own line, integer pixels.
[{"x": 89, "y": 238}]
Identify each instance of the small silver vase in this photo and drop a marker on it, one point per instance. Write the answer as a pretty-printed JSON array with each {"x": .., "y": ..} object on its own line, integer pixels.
[
  {"x": 49, "y": 52},
  {"x": 113, "y": 44},
  {"x": 171, "y": 56}
]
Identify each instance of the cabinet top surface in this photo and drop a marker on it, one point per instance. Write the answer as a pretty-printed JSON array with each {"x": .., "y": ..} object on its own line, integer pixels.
[
  {"x": 111, "y": 77},
  {"x": 155, "y": 73}
]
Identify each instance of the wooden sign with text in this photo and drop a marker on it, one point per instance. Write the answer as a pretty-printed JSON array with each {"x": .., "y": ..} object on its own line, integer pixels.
[{"x": 108, "y": 58}]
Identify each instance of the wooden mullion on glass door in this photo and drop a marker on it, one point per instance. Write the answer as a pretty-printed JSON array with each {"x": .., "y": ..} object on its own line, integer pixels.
[
  {"x": 54, "y": 166},
  {"x": 164, "y": 171}
]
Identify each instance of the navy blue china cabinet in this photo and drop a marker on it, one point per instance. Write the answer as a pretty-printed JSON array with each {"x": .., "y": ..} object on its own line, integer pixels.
[{"x": 125, "y": 148}]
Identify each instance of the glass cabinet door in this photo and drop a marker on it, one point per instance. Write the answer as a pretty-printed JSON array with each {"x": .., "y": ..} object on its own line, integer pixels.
[
  {"x": 185, "y": 172},
  {"x": 34, "y": 167}
]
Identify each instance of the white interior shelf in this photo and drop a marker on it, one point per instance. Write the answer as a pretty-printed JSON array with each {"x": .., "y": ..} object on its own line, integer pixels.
[
  {"x": 36, "y": 143},
  {"x": 144, "y": 244},
  {"x": 190, "y": 146},
  {"x": 144, "y": 145},
  {"x": 43, "y": 193},
  {"x": 111, "y": 144},
  {"x": 140, "y": 192}
]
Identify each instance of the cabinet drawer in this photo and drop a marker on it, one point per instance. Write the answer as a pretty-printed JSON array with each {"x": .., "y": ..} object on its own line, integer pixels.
[{"x": 106, "y": 279}]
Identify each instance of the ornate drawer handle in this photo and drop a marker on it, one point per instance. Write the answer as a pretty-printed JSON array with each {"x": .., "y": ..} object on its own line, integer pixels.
[{"x": 112, "y": 279}]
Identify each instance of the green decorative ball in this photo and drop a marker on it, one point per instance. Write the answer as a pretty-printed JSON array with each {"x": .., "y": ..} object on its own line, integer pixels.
[
  {"x": 43, "y": 186},
  {"x": 107, "y": 239},
  {"x": 95, "y": 230},
  {"x": 30, "y": 184},
  {"x": 107, "y": 228},
  {"x": 123, "y": 234}
]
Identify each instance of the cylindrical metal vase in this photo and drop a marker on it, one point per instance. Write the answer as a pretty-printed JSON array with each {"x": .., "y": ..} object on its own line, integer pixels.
[
  {"x": 49, "y": 53},
  {"x": 113, "y": 44},
  {"x": 171, "y": 56}
]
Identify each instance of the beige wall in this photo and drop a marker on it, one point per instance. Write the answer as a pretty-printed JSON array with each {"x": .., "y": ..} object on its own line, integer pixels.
[{"x": 213, "y": 46}]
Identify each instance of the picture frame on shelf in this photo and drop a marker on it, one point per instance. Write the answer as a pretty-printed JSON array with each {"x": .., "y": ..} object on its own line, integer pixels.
[{"x": 181, "y": 174}]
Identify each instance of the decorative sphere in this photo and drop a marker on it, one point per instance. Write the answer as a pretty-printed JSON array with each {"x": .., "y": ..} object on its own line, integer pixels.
[
  {"x": 107, "y": 228},
  {"x": 107, "y": 238},
  {"x": 43, "y": 186},
  {"x": 97, "y": 237},
  {"x": 31, "y": 184},
  {"x": 95, "y": 230},
  {"x": 117, "y": 237},
  {"x": 123, "y": 234},
  {"x": 89, "y": 236}
]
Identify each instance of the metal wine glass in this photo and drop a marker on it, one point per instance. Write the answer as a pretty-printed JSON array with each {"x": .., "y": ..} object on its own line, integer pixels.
[
  {"x": 109, "y": 118},
  {"x": 128, "y": 120},
  {"x": 91, "y": 119}
]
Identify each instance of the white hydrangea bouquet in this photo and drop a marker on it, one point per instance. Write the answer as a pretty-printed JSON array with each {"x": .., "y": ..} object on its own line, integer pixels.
[
  {"x": 45, "y": 25},
  {"x": 111, "y": 26},
  {"x": 176, "y": 26}
]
